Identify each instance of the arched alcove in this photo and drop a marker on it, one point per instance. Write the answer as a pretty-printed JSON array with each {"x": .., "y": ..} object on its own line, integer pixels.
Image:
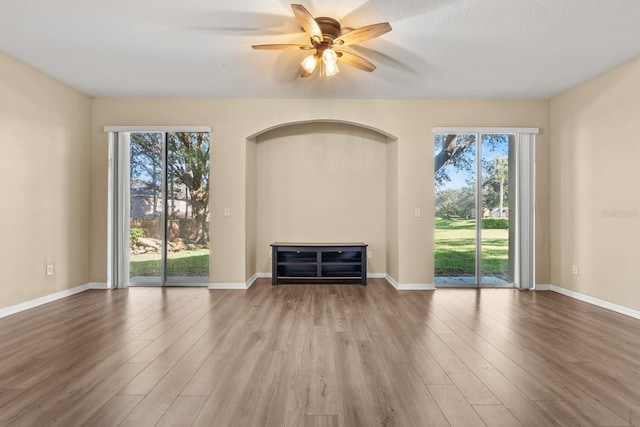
[{"x": 321, "y": 181}]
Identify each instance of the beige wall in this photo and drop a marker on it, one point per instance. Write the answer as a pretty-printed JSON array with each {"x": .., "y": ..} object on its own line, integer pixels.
[
  {"x": 44, "y": 170},
  {"x": 322, "y": 182},
  {"x": 595, "y": 196},
  {"x": 410, "y": 122},
  {"x": 56, "y": 164},
  {"x": 392, "y": 209},
  {"x": 62, "y": 160},
  {"x": 251, "y": 210}
]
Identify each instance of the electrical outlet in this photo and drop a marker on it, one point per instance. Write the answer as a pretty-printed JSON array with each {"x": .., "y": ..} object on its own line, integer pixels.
[
  {"x": 418, "y": 212},
  {"x": 574, "y": 270},
  {"x": 49, "y": 269},
  {"x": 227, "y": 212},
  {"x": 270, "y": 253},
  {"x": 369, "y": 254}
]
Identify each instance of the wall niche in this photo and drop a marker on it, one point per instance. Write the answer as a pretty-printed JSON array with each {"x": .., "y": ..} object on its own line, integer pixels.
[{"x": 317, "y": 181}]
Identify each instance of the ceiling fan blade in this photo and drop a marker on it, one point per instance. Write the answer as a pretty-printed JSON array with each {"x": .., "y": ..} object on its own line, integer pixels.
[
  {"x": 362, "y": 34},
  {"x": 355, "y": 61},
  {"x": 307, "y": 22},
  {"x": 282, "y": 47}
]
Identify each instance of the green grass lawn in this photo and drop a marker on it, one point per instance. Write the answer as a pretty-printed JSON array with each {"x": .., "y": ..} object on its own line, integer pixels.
[
  {"x": 186, "y": 263},
  {"x": 455, "y": 249},
  {"x": 454, "y": 254}
]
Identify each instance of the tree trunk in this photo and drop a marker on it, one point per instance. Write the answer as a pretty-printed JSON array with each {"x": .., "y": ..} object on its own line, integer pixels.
[
  {"x": 451, "y": 150},
  {"x": 445, "y": 154}
]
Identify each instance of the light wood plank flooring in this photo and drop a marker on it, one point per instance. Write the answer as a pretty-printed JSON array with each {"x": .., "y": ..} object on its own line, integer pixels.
[{"x": 319, "y": 356}]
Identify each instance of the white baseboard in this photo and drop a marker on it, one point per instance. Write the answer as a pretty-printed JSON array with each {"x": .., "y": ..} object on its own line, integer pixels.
[
  {"x": 252, "y": 279},
  {"x": 369, "y": 275},
  {"x": 99, "y": 285},
  {"x": 233, "y": 285},
  {"x": 43, "y": 300},
  {"x": 410, "y": 286},
  {"x": 239, "y": 285},
  {"x": 538, "y": 287},
  {"x": 416, "y": 287},
  {"x": 392, "y": 281},
  {"x": 595, "y": 301},
  {"x": 398, "y": 286}
]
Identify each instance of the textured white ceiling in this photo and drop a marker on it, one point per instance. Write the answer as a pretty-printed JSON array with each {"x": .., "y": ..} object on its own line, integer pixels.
[{"x": 437, "y": 49}]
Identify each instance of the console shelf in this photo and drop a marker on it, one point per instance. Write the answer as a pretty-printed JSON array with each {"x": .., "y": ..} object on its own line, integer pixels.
[{"x": 336, "y": 263}]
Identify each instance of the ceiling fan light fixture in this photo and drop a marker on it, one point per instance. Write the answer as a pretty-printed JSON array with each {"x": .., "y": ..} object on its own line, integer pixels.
[
  {"x": 329, "y": 57},
  {"x": 325, "y": 33},
  {"x": 309, "y": 63},
  {"x": 330, "y": 69}
]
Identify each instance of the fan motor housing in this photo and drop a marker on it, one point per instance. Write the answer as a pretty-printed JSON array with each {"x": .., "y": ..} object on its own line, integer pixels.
[{"x": 330, "y": 28}]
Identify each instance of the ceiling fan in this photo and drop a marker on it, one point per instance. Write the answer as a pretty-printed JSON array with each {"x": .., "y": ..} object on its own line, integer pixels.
[{"x": 327, "y": 40}]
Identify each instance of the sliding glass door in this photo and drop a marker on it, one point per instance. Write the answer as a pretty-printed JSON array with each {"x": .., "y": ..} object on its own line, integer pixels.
[
  {"x": 497, "y": 216},
  {"x": 476, "y": 224},
  {"x": 168, "y": 215},
  {"x": 455, "y": 209},
  {"x": 187, "y": 211},
  {"x": 147, "y": 217}
]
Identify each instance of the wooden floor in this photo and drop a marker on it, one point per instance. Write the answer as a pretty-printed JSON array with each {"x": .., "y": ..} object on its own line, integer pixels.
[{"x": 319, "y": 356}]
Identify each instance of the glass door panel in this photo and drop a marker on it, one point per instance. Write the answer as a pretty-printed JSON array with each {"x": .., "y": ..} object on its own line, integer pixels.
[
  {"x": 455, "y": 210},
  {"x": 146, "y": 208},
  {"x": 498, "y": 211},
  {"x": 188, "y": 207}
]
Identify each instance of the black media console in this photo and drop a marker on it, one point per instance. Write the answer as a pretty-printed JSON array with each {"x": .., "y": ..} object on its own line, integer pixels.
[{"x": 336, "y": 263}]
